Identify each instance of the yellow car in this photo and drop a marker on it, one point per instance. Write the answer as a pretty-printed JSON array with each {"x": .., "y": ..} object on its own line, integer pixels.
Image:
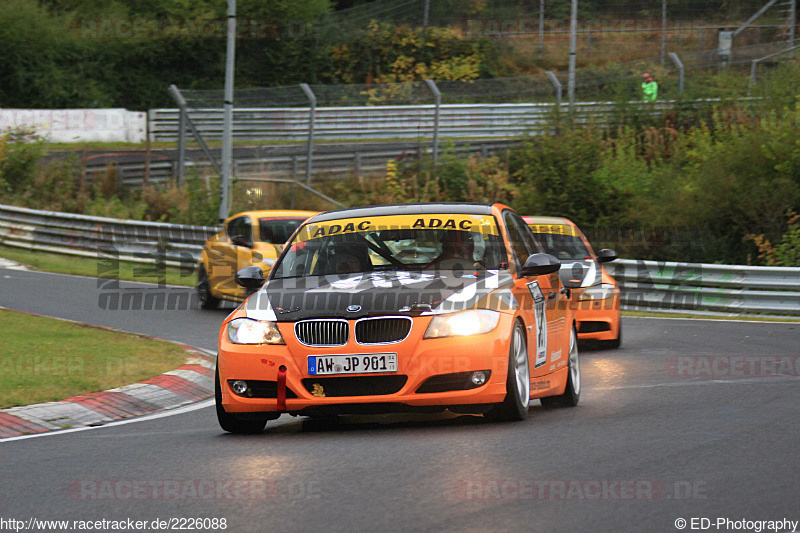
[
  {"x": 248, "y": 238},
  {"x": 595, "y": 294}
]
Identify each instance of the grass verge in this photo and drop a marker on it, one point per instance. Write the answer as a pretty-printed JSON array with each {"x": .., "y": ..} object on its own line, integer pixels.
[
  {"x": 45, "y": 359},
  {"x": 99, "y": 267}
]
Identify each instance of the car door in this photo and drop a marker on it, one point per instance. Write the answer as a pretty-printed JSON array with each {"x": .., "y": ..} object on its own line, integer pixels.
[
  {"x": 542, "y": 300},
  {"x": 228, "y": 256}
]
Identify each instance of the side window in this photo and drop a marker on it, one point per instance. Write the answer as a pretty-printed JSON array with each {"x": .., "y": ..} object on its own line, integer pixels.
[
  {"x": 522, "y": 240},
  {"x": 278, "y": 230},
  {"x": 240, "y": 231}
]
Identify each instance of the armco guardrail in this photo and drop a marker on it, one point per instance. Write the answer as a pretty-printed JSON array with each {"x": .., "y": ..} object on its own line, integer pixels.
[
  {"x": 700, "y": 286},
  {"x": 649, "y": 285},
  {"x": 127, "y": 240},
  {"x": 397, "y": 121}
]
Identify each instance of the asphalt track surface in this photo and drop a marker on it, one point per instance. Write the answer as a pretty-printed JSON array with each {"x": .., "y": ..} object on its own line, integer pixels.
[{"x": 647, "y": 445}]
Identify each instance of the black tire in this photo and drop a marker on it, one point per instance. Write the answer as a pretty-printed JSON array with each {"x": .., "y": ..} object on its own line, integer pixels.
[
  {"x": 613, "y": 344},
  {"x": 229, "y": 421},
  {"x": 207, "y": 300},
  {"x": 572, "y": 392},
  {"x": 518, "y": 381}
]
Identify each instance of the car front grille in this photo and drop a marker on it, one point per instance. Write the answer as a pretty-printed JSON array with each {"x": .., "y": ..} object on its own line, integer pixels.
[
  {"x": 325, "y": 332},
  {"x": 355, "y": 385},
  {"x": 382, "y": 330}
]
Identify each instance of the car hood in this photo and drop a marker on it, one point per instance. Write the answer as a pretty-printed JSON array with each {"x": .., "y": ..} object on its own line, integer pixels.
[{"x": 379, "y": 293}]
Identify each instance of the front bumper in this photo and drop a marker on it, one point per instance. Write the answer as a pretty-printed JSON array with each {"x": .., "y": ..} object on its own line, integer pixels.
[
  {"x": 597, "y": 319},
  {"x": 418, "y": 361}
]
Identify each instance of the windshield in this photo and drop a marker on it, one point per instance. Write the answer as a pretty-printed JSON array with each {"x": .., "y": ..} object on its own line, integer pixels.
[
  {"x": 404, "y": 242},
  {"x": 561, "y": 242},
  {"x": 277, "y": 230}
]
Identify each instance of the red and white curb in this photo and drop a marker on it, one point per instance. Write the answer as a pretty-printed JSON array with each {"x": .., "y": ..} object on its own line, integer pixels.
[
  {"x": 192, "y": 382},
  {"x": 11, "y": 265}
]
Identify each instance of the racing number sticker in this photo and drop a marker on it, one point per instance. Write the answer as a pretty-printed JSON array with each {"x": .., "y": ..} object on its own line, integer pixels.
[{"x": 541, "y": 323}]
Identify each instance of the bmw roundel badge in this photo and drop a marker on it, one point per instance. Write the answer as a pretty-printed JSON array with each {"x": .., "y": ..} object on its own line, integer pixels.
[{"x": 353, "y": 308}]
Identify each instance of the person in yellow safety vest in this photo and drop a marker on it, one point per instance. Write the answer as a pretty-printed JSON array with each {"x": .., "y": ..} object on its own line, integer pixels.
[{"x": 649, "y": 88}]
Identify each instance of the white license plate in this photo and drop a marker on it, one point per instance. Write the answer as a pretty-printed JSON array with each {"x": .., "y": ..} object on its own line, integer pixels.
[{"x": 360, "y": 363}]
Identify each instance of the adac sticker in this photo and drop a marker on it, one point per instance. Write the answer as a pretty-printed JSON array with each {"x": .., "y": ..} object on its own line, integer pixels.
[
  {"x": 484, "y": 224},
  {"x": 555, "y": 229},
  {"x": 541, "y": 323}
]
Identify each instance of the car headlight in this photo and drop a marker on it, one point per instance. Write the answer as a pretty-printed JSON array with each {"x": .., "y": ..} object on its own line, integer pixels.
[
  {"x": 249, "y": 331},
  {"x": 463, "y": 323},
  {"x": 601, "y": 292}
]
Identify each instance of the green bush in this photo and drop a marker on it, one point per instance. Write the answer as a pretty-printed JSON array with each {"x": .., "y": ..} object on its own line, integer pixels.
[
  {"x": 19, "y": 156},
  {"x": 787, "y": 252},
  {"x": 557, "y": 175}
]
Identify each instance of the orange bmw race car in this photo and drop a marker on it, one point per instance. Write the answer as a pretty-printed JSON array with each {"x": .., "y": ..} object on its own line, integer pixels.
[
  {"x": 595, "y": 294},
  {"x": 249, "y": 238},
  {"x": 420, "y": 307}
]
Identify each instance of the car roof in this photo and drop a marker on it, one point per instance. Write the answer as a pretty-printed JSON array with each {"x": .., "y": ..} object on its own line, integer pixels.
[
  {"x": 276, "y": 213},
  {"x": 550, "y": 221},
  {"x": 444, "y": 208}
]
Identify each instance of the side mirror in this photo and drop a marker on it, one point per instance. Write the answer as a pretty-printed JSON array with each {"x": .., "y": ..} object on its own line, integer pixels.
[
  {"x": 605, "y": 255},
  {"x": 251, "y": 278},
  {"x": 572, "y": 276},
  {"x": 540, "y": 264}
]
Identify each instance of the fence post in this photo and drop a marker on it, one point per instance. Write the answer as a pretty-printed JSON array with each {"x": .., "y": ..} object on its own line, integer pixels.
[
  {"x": 753, "y": 71},
  {"x": 147, "y": 153},
  {"x": 557, "y": 84},
  {"x": 541, "y": 28},
  {"x": 227, "y": 131},
  {"x": 176, "y": 94},
  {"x": 357, "y": 164},
  {"x": 663, "y": 32},
  {"x": 312, "y": 117},
  {"x": 294, "y": 177},
  {"x": 573, "y": 35},
  {"x": 437, "y": 97},
  {"x": 793, "y": 24},
  {"x": 754, "y": 66},
  {"x": 181, "y": 146},
  {"x": 678, "y": 63}
]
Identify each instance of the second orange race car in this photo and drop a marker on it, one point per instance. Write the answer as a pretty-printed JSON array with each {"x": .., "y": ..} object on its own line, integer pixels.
[{"x": 595, "y": 294}]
